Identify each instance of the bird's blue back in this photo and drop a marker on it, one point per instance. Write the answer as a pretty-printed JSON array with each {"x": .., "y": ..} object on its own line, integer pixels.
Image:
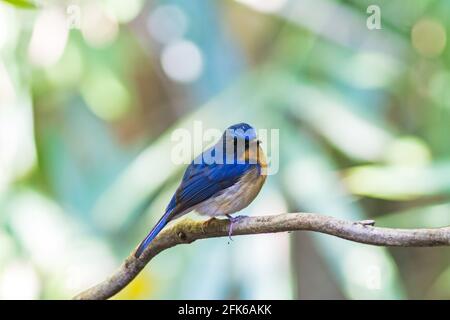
[{"x": 202, "y": 181}]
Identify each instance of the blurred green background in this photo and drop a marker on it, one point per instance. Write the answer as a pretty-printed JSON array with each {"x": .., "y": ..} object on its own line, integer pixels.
[{"x": 90, "y": 92}]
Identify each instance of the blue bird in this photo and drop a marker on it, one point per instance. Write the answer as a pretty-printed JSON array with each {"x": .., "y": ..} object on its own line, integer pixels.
[{"x": 222, "y": 180}]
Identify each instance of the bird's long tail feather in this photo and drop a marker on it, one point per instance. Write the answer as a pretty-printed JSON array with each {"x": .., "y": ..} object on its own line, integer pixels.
[{"x": 153, "y": 233}]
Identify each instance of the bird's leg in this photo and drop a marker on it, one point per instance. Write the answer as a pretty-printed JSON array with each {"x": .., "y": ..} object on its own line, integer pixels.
[{"x": 232, "y": 221}]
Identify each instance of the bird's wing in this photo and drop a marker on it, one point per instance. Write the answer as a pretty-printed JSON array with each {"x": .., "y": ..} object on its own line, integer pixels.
[{"x": 203, "y": 181}]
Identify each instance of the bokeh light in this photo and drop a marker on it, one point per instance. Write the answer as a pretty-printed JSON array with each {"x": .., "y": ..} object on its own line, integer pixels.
[
  {"x": 106, "y": 95},
  {"x": 267, "y": 6},
  {"x": 182, "y": 61},
  {"x": 49, "y": 37},
  {"x": 19, "y": 281},
  {"x": 167, "y": 23},
  {"x": 429, "y": 37},
  {"x": 99, "y": 27}
]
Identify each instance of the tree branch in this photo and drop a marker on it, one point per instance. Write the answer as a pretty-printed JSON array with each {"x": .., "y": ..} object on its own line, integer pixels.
[{"x": 188, "y": 231}]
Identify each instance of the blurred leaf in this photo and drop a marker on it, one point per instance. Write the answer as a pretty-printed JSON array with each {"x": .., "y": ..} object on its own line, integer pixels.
[
  {"x": 141, "y": 287},
  {"x": 398, "y": 182},
  {"x": 333, "y": 117},
  {"x": 440, "y": 288},
  {"x": 26, "y": 4},
  {"x": 422, "y": 217}
]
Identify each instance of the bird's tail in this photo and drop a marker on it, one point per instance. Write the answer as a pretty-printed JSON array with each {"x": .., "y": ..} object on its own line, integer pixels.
[{"x": 153, "y": 233}]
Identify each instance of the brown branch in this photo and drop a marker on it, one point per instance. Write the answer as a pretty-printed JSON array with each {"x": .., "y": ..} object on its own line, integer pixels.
[{"x": 188, "y": 231}]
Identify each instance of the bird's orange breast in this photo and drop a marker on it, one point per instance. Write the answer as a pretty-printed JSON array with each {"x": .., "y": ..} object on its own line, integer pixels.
[
  {"x": 255, "y": 155},
  {"x": 240, "y": 195}
]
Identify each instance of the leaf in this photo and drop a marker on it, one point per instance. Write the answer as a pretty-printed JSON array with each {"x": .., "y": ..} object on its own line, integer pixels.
[
  {"x": 398, "y": 182},
  {"x": 26, "y": 4}
]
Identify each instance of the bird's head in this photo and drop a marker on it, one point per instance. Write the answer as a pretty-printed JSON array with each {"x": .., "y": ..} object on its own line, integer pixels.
[{"x": 241, "y": 132}]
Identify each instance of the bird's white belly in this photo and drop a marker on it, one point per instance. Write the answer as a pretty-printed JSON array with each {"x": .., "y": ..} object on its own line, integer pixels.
[{"x": 234, "y": 198}]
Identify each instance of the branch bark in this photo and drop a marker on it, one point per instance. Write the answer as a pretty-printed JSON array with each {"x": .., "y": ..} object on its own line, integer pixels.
[{"x": 188, "y": 231}]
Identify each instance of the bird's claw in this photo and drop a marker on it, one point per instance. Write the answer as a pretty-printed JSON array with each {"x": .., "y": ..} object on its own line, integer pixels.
[{"x": 232, "y": 221}]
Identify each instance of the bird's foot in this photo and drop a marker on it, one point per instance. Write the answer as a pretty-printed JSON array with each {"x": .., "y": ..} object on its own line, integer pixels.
[
  {"x": 365, "y": 223},
  {"x": 207, "y": 223},
  {"x": 233, "y": 220}
]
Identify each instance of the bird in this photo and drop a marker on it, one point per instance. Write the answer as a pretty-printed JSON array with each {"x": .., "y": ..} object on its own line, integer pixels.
[{"x": 222, "y": 180}]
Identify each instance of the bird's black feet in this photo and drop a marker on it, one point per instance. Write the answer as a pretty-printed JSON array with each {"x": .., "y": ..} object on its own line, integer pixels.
[{"x": 233, "y": 220}]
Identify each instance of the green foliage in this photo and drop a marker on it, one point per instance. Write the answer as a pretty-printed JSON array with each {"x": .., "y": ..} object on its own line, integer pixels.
[
  {"x": 25, "y": 4},
  {"x": 86, "y": 143}
]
